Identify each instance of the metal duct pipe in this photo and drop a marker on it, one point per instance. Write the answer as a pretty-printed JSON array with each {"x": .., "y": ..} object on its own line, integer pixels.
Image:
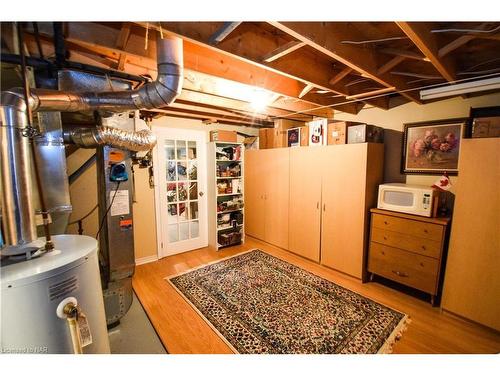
[
  {"x": 142, "y": 140},
  {"x": 18, "y": 212},
  {"x": 18, "y": 208},
  {"x": 157, "y": 94}
]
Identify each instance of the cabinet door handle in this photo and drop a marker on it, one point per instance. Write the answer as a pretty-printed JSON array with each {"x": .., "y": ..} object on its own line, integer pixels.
[
  {"x": 324, "y": 206},
  {"x": 401, "y": 274},
  {"x": 317, "y": 205}
]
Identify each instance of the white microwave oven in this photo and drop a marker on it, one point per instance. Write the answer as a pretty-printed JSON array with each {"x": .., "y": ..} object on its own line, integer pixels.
[{"x": 410, "y": 199}]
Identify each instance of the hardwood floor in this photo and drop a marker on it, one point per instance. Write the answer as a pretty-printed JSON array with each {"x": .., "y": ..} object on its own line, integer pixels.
[{"x": 182, "y": 330}]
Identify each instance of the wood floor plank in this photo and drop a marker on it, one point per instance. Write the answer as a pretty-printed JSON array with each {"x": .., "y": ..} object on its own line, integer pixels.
[{"x": 182, "y": 330}]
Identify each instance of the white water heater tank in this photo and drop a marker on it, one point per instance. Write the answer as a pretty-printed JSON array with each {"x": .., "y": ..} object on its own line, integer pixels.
[{"x": 31, "y": 291}]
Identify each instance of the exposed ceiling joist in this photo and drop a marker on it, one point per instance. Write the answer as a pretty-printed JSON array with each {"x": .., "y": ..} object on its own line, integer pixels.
[
  {"x": 283, "y": 50},
  {"x": 306, "y": 90},
  {"x": 320, "y": 36},
  {"x": 340, "y": 76},
  {"x": 392, "y": 63},
  {"x": 223, "y": 32},
  {"x": 420, "y": 34}
]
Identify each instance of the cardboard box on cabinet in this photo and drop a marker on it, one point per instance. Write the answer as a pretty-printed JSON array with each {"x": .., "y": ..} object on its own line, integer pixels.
[{"x": 223, "y": 136}]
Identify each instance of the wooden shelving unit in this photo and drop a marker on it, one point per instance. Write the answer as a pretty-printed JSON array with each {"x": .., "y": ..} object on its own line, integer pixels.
[{"x": 225, "y": 194}]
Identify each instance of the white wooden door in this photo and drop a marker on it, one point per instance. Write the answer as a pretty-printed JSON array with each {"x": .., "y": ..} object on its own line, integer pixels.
[{"x": 180, "y": 190}]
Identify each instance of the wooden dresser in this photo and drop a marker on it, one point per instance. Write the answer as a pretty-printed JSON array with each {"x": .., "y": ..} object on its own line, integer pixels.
[{"x": 408, "y": 249}]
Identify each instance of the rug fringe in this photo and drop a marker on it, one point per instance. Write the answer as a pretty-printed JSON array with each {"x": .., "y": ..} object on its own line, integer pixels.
[{"x": 396, "y": 334}]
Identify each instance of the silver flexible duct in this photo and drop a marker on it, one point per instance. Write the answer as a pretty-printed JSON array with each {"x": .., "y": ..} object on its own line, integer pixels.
[
  {"x": 142, "y": 140},
  {"x": 18, "y": 212}
]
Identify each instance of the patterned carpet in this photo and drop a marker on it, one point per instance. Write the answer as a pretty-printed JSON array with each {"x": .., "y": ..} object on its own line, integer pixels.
[{"x": 260, "y": 304}]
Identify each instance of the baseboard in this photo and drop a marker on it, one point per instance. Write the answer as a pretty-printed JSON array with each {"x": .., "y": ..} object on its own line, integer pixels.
[{"x": 144, "y": 260}]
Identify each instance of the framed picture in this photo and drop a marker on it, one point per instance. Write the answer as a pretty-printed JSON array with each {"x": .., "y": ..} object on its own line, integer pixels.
[
  {"x": 432, "y": 147},
  {"x": 317, "y": 132},
  {"x": 293, "y": 137},
  {"x": 484, "y": 122}
]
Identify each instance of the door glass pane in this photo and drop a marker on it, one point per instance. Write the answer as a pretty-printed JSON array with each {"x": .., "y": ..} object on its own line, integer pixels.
[
  {"x": 181, "y": 170},
  {"x": 192, "y": 171},
  {"x": 171, "y": 171},
  {"x": 193, "y": 210},
  {"x": 172, "y": 233},
  {"x": 181, "y": 150},
  {"x": 172, "y": 192},
  {"x": 183, "y": 212},
  {"x": 183, "y": 194},
  {"x": 195, "y": 229},
  {"x": 172, "y": 213},
  {"x": 170, "y": 149},
  {"x": 192, "y": 150},
  {"x": 193, "y": 190},
  {"x": 183, "y": 231}
]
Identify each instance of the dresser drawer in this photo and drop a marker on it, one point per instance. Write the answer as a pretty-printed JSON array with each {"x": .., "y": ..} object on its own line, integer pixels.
[
  {"x": 419, "y": 245},
  {"x": 407, "y": 268},
  {"x": 406, "y": 226}
]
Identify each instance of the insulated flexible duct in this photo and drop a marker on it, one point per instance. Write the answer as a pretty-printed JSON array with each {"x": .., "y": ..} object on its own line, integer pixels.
[{"x": 142, "y": 140}]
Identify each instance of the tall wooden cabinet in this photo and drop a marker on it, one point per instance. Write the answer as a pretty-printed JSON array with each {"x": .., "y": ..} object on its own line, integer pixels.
[
  {"x": 267, "y": 181},
  {"x": 306, "y": 165},
  {"x": 324, "y": 209},
  {"x": 472, "y": 280},
  {"x": 350, "y": 182}
]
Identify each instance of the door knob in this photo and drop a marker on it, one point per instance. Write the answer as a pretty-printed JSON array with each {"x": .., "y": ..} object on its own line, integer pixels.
[{"x": 200, "y": 194}]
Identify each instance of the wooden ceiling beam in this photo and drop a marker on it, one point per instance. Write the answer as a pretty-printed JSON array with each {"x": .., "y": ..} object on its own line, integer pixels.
[
  {"x": 308, "y": 88},
  {"x": 392, "y": 63},
  {"x": 223, "y": 32},
  {"x": 340, "y": 76},
  {"x": 420, "y": 34},
  {"x": 121, "y": 43},
  {"x": 326, "y": 37},
  {"x": 283, "y": 50}
]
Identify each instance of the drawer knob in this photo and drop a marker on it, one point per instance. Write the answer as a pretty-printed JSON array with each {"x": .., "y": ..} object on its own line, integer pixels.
[
  {"x": 423, "y": 247},
  {"x": 421, "y": 264},
  {"x": 383, "y": 252},
  {"x": 385, "y": 238},
  {"x": 385, "y": 222},
  {"x": 426, "y": 231},
  {"x": 401, "y": 274}
]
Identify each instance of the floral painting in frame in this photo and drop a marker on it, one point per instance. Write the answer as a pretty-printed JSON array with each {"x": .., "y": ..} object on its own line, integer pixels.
[{"x": 432, "y": 147}]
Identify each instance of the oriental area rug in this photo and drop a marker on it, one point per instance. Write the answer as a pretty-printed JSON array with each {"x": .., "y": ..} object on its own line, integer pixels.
[{"x": 258, "y": 303}]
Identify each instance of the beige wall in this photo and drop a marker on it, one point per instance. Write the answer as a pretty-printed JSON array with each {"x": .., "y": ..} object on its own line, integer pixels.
[
  {"x": 84, "y": 190},
  {"x": 412, "y": 112}
]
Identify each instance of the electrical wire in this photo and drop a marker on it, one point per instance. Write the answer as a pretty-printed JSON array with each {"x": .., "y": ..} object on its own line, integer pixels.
[
  {"x": 472, "y": 31},
  {"x": 107, "y": 210},
  {"x": 85, "y": 216}
]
